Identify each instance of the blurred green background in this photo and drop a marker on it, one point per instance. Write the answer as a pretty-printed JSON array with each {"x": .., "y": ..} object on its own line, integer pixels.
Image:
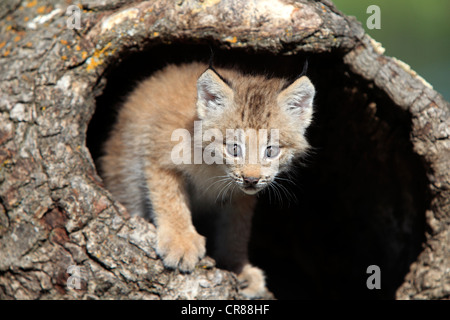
[{"x": 414, "y": 31}]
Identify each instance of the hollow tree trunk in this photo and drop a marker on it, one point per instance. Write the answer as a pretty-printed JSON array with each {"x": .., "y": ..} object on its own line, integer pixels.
[{"x": 55, "y": 212}]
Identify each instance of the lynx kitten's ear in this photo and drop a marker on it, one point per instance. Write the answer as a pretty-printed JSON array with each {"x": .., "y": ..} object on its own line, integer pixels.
[
  {"x": 297, "y": 100},
  {"x": 213, "y": 94}
]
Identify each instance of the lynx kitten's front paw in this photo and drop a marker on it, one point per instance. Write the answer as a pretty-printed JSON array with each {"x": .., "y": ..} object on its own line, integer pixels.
[
  {"x": 252, "y": 279},
  {"x": 181, "y": 251}
]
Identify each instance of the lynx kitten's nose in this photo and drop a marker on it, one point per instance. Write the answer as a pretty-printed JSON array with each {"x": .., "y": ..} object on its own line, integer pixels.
[{"x": 251, "y": 180}]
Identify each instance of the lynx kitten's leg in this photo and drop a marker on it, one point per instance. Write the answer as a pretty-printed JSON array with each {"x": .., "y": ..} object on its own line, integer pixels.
[
  {"x": 178, "y": 243},
  {"x": 232, "y": 245},
  {"x": 253, "y": 280}
]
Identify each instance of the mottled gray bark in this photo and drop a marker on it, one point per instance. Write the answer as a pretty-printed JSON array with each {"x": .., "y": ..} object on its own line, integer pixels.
[{"x": 54, "y": 211}]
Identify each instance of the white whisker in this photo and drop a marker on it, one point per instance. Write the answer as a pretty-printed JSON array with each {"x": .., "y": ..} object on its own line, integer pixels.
[
  {"x": 284, "y": 179},
  {"x": 289, "y": 195}
]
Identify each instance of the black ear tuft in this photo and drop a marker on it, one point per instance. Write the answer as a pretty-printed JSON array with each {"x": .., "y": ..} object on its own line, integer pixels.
[
  {"x": 211, "y": 58},
  {"x": 305, "y": 69},
  {"x": 210, "y": 67},
  {"x": 303, "y": 73}
]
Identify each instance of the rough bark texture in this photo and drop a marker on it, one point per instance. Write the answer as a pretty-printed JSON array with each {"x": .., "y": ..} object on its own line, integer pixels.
[{"x": 54, "y": 211}]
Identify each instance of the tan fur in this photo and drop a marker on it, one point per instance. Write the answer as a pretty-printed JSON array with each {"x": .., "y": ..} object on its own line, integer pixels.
[{"x": 138, "y": 169}]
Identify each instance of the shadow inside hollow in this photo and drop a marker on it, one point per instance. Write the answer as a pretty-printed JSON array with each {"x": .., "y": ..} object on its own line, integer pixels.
[{"x": 361, "y": 194}]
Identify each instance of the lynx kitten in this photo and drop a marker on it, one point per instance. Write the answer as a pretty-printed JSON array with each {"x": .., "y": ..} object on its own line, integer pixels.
[{"x": 140, "y": 170}]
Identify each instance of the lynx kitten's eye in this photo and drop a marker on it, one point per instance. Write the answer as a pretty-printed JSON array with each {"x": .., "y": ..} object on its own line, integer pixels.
[
  {"x": 234, "y": 150},
  {"x": 272, "y": 151}
]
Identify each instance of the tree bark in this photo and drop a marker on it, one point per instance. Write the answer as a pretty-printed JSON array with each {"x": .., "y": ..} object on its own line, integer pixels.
[{"x": 54, "y": 210}]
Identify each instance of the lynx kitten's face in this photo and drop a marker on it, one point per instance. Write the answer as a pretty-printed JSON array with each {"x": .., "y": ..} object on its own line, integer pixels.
[
  {"x": 252, "y": 158},
  {"x": 253, "y": 127}
]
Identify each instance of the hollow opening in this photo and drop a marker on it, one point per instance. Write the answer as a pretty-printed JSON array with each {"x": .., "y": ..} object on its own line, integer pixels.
[{"x": 360, "y": 197}]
